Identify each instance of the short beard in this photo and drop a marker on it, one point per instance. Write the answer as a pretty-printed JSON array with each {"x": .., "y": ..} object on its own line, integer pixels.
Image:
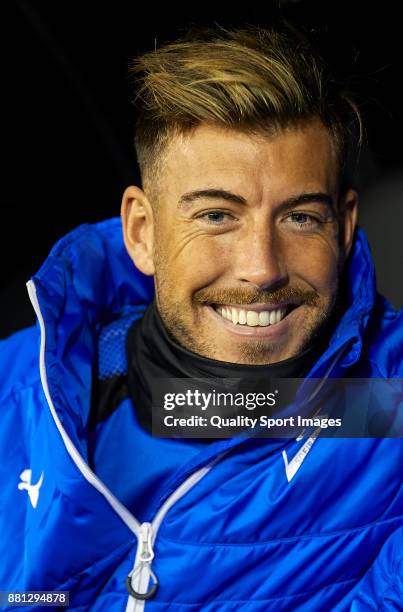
[{"x": 250, "y": 352}]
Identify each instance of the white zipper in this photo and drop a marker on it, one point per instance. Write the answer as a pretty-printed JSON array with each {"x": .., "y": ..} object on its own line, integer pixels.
[
  {"x": 141, "y": 572},
  {"x": 138, "y": 578},
  {"x": 145, "y": 532},
  {"x": 131, "y": 522}
]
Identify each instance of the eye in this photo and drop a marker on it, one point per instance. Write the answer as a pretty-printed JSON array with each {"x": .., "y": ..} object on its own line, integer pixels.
[
  {"x": 304, "y": 220},
  {"x": 215, "y": 217}
]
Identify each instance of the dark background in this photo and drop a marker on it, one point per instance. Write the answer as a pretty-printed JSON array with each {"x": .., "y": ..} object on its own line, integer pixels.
[{"x": 68, "y": 119}]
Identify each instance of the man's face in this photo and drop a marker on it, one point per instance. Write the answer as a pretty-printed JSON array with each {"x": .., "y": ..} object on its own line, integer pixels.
[{"x": 250, "y": 277}]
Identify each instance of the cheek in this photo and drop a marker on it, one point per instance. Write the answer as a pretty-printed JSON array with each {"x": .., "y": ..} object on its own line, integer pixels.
[
  {"x": 202, "y": 264},
  {"x": 196, "y": 263},
  {"x": 316, "y": 261}
]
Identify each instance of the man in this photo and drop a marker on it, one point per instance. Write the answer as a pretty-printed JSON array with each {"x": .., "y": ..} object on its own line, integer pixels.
[{"x": 246, "y": 228}]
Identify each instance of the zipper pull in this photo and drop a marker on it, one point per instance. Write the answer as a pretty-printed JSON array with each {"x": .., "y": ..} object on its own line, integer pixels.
[
  {"x": 145, "y": 557},
  {"x": 146, "y": 553}
]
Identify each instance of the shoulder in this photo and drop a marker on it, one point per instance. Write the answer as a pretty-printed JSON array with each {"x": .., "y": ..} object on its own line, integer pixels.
[
  {"x": 21, "y": 415},
  {"x": 19, "y": 361},
  {"x": 384, "y": 339}
]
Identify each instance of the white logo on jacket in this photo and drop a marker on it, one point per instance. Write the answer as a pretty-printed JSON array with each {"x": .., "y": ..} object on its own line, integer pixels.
[
  {"x": 292, "y": 467},
  {"x": 33, "y": 489}
]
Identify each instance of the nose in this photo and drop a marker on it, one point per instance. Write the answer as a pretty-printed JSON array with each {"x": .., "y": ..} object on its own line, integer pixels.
[{"x": 259, "y": 258}]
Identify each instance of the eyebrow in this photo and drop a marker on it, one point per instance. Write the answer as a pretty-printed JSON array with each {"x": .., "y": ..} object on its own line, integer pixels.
[{"x": 187, "y": 199}]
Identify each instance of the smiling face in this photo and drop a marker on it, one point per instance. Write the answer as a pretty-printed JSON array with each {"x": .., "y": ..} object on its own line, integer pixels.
[{"x": 247, "y": 241}]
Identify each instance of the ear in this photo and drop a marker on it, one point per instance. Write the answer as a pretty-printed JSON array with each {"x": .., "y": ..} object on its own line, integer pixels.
[
  {"x": 348, "y": 212},
  {"x": 138, "y": 228}
]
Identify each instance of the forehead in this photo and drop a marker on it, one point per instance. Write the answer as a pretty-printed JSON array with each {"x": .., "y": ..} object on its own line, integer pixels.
[{"x": 296, "y": 157}]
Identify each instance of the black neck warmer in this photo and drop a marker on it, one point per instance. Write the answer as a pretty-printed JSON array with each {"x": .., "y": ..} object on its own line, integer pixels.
[{"x": 152, "y": 353}]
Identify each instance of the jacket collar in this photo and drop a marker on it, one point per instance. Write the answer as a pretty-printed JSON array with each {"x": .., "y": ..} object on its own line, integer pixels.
[{"x": 360, "y": 281}]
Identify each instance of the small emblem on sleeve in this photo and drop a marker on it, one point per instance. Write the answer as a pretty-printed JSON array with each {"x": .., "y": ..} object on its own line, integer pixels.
[{"x": 32, "y": 489}]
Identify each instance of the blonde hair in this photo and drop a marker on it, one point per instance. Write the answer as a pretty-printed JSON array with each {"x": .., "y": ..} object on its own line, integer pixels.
[{"x": 251, "y": 79}]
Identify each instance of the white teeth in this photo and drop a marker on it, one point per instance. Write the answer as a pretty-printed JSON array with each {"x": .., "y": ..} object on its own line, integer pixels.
[
  {"x": 252, "y": 318},
  {"x": 264, "y": 318},
  {"x": 239, "y": 316}
]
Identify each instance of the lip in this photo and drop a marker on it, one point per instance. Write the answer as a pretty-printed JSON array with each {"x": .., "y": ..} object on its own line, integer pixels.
[
  {"x": 270, "y": 332},
  {"x": 258, "y": 307}
]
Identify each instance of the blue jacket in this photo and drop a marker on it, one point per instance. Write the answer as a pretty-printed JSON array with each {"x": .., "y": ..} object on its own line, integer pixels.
[{"x": 231, "y": 528}]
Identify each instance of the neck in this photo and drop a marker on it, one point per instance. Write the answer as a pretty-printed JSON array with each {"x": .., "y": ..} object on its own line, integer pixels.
[{"x": 152, "y": 353}]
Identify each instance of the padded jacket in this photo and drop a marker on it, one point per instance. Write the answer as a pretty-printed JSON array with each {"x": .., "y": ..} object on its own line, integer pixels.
[{"x": 231, "y": 529}]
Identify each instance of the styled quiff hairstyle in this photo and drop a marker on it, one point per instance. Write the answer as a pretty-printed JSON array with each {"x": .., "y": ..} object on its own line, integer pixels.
[{"x": 251, "y": 79}]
